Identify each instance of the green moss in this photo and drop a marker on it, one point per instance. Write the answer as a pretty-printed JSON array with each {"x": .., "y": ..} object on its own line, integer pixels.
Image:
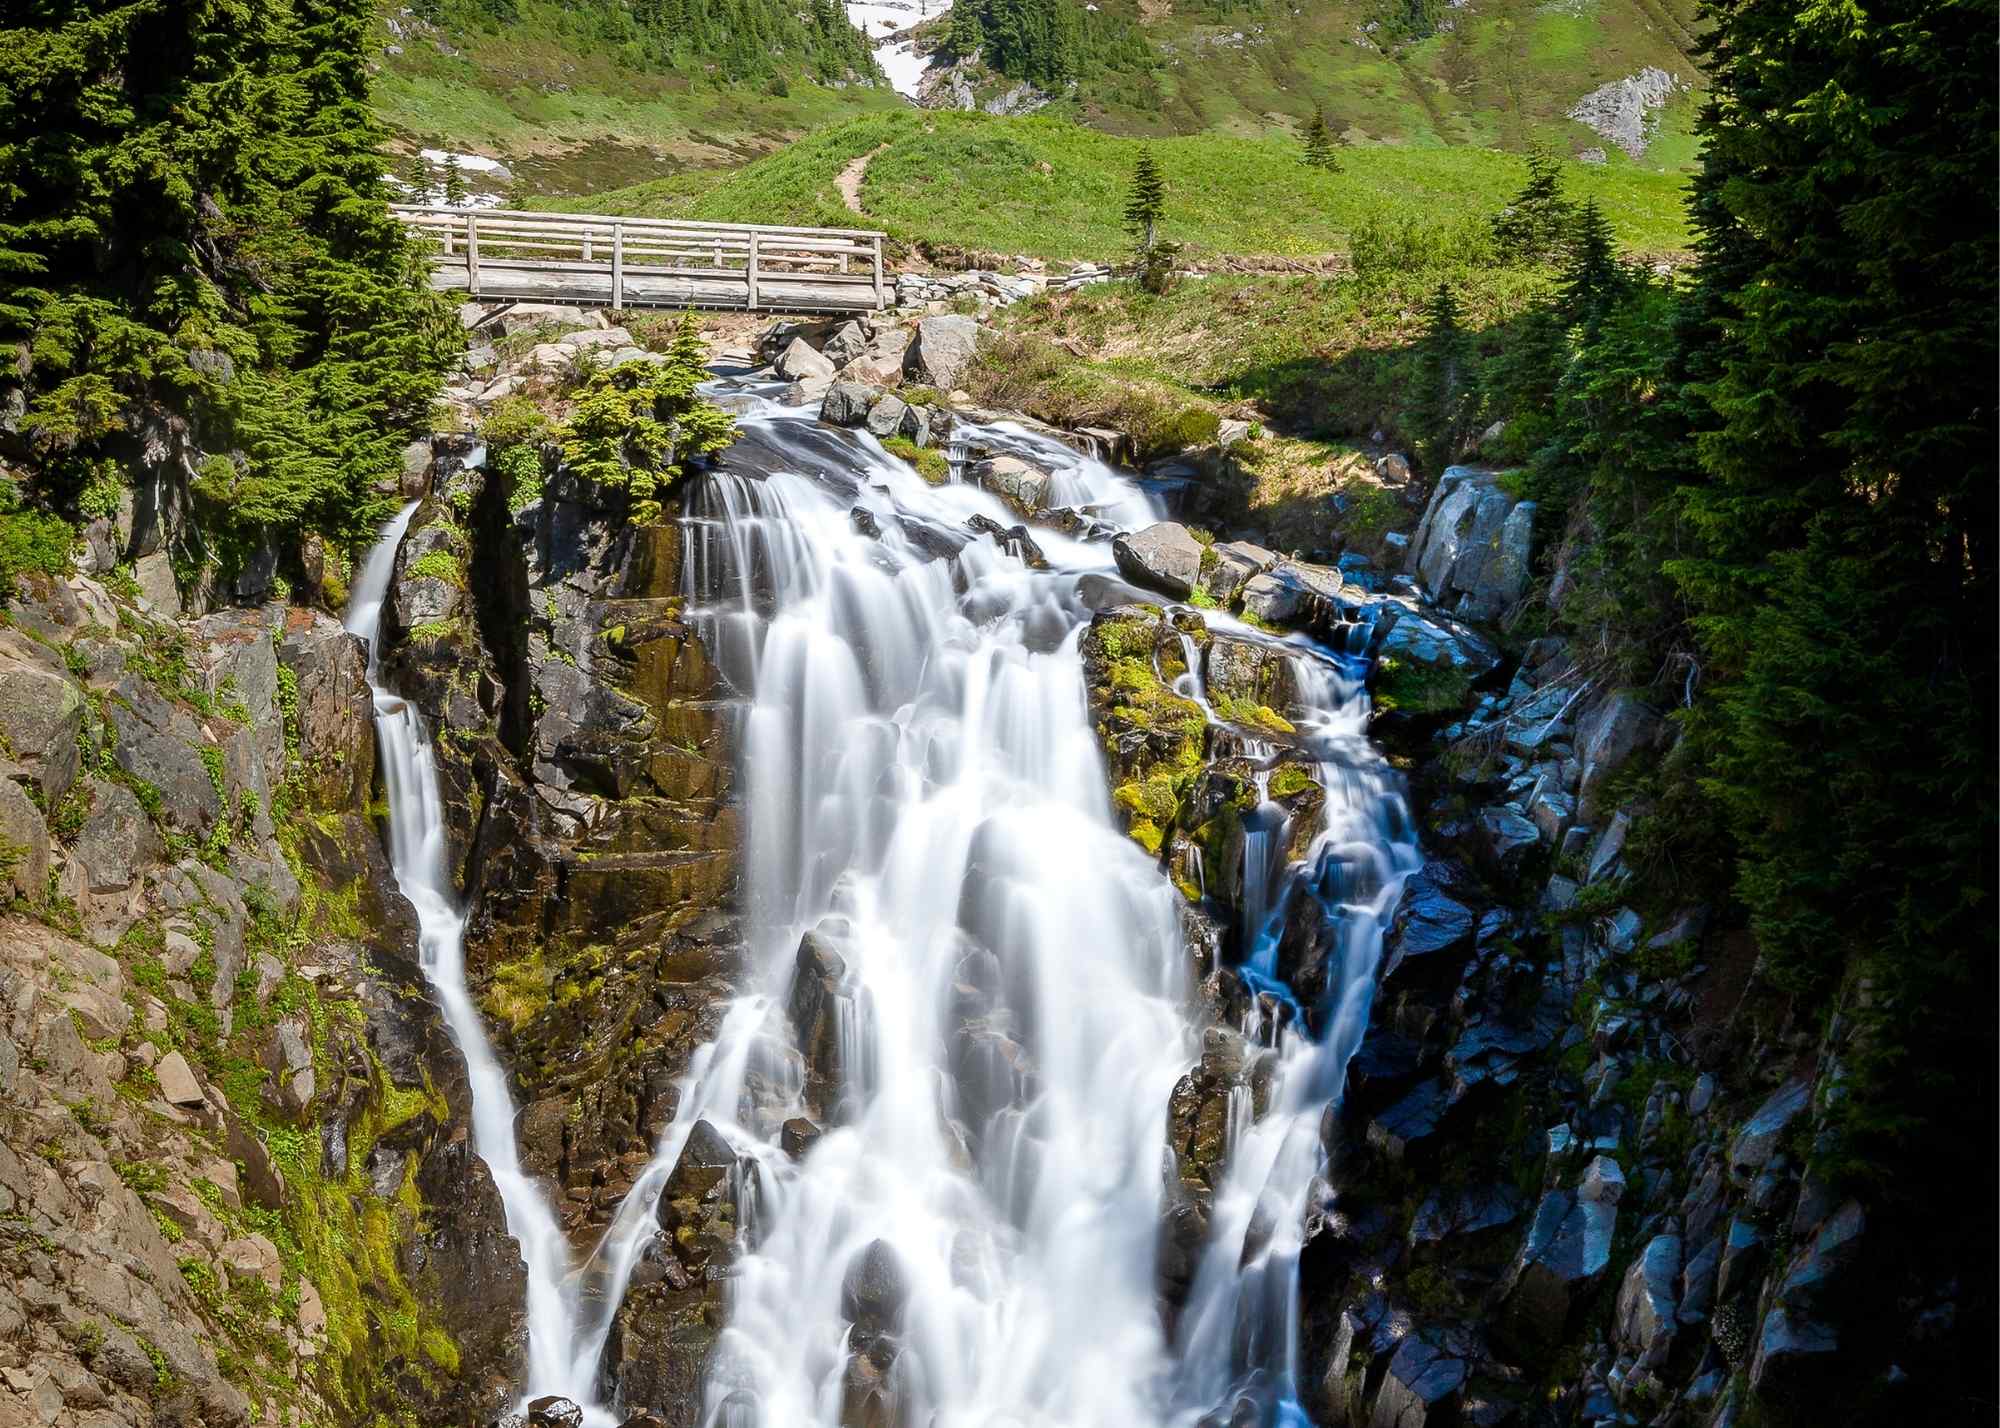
[
  {"x": 1252, "y": 715},
  {"x": 1416, "y": 689},
  {"x": 1289, "y": 779},
  {"x": 438, "y": 565},
  {"x": 929, "y": 462}
]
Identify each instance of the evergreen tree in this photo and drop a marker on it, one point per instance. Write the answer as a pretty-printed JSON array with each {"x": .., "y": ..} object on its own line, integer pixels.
[
  {"x": 1532, "y": 228},
  {"x": 1846, "y": 293},
  {"x": 1145, "y": 202},
  {"x": 1320, "y": 143},
  {"x": 1444, "y": 388},
  {"x": 196, "y": 232},
  {"x": 963, "y": 35},
  {"x": 454, "y": 182},
  {"x": 1592, "y": 279}
]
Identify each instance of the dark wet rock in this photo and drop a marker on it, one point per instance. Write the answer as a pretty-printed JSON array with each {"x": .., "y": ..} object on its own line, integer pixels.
[
  {"x": 1422, "y": 1388},
  {"x": 551, "y": 1411},
  {"x": 1474, "y": 1210},
  {"x": 1431, "y": 935},
  {"x": 1507, "y": 838},
  {"x": 818, "y": 974},
  {"x": 1162, "y": 557},
  {"x": 874, "y": 1290},
  {"x": 1560, "y": 1264},
  {"x": 1014, "y": 539},
  {"x": 1757, "y": 1142},
  {"x": 1648, "y": 1308},
  {"x": 1411, "y": 1122},
  {"x": 1610, "y": 733},
  {"x": 864, "y": 523}
]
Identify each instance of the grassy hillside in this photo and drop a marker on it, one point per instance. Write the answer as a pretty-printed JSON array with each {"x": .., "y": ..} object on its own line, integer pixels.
[
  {"x": 1049, "y": 188},
  {"x": 572, "y": 112},
  {"x": 1418, "y": 72}
]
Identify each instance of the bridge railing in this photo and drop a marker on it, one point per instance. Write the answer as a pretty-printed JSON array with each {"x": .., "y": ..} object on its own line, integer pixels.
[{"x": 760, "y": 261}]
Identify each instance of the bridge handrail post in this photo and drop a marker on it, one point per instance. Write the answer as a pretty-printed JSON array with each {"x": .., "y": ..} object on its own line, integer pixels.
[
  {"x": 472, "y": 254},
  {"x": 879, "y": 295},
  {"x": 752, "y": 274},
  {"x": 617, "y": 267}
]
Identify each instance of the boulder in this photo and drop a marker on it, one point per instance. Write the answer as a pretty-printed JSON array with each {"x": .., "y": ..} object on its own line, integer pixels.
[
  {"x": 1422, "y": 1388},
  {"x": 1611, "y": 732},
  {"x": 163, "y": 748},
  {"x": 1020, "y": 485},
  {"x": 1507, "y": 837},
  {"x": 874, "y": 1291},
  {"x": 41, "y": 715},
  {"x": 1415, "y": 635},
  {"x": 117, "y": 839},
  {"x": 1758, "y": 1140},
  {"x": 178, "y": 1086},
  {"x": 1162, "y": 557},
  {"x": 847, "y": 403},
  {"x": 817, "y": 977},
  {"x": 800, "y": 361},
  {"x": 552, "y": 1411},
  {"x": 24, "y": 845},
  {"x": 1648, "y": 1308},
  {"x": 1292, "y": 593},
  {"x": 1431, "y": 935},
  {"x": 1235, "y": 563},
  {"x": 848, "y": 342},
  {"x": 885, "y": 418},
  {"x": 1564, "y": 1256},
  {"x": 941, "y": 351},
  {"x": 1472, "y": 548}
]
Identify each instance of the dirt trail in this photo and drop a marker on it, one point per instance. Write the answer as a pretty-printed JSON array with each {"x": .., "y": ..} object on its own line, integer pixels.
[{"x": 849, "y": 182}]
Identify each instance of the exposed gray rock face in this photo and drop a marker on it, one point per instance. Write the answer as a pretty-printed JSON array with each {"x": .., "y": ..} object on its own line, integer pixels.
[
  {"x": 1561, "y": 1262},
  {"x": 1421, "y": 635},
  {"x": 941, "y": 351},
  {"x": 1648, "y": 1308},
  {"x": 885, "y": 418},
  {"x": 1423, "y": 1387},
  {"x": 1472, "y": 548},
  {"x": 41, "y": 714},
  {"x": 159, "y": 745},
  {"x": 801, "y": 360},
  {"x": 847, "y": 403},
  {"x": 118, "y": 839},
  {"x": 1614, "y": 729},
  {"x": 1758, "y": 1140},
  {"x": 1162, "y": 557},
  {"x": 333, "y": 715},
  {"x": 849, "y": 341},
  {"x": 1294, "y": 593},
  {"x": 24, "y": 844},
  {"x": 1236, "y": 562},
  {"x": 1024, "y": 487},
  {"x": 1626, "y": 111}
]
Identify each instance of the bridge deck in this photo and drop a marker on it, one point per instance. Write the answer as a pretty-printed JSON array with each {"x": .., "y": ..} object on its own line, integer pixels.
[{"x": 646, "y": 262}]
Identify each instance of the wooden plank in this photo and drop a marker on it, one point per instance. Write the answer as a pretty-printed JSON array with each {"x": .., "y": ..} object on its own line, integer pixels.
[
  {"x": 879, "y": 301},
  {"x": 751, "y": 273},
  {"x": 617, "y": 267},
  {"x": 472, "y": 255}
]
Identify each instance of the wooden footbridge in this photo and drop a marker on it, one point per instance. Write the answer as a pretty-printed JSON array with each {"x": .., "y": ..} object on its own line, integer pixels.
[{"x": 501, "y": 255}]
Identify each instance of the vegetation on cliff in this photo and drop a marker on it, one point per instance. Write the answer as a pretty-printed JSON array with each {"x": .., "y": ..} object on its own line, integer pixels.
[{"x": 200, "y": 259}]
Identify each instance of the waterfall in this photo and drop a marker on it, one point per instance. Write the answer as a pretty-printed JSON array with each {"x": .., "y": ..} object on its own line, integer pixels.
[
  {"x": 972, "y": 1239},
  {"x": 418, "y": 855}
]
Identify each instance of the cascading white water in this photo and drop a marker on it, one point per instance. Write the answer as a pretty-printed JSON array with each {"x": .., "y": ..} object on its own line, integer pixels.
[
  {"x": 417, "y": 853},
  {"x": 925, "y": 797}
]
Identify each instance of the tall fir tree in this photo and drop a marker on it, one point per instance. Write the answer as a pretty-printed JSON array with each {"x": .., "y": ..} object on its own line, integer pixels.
[
  {"x": 963, "y": 34},
  {"x": 1592, "y": 279},
  {"x": 1532, "y": 228},
  {"x": 1145, "y": 202},
  {"x": 1444, "y": 390},
  {"x": 1845, "y": 349},
  {"x": 1319, "y": 142}
]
